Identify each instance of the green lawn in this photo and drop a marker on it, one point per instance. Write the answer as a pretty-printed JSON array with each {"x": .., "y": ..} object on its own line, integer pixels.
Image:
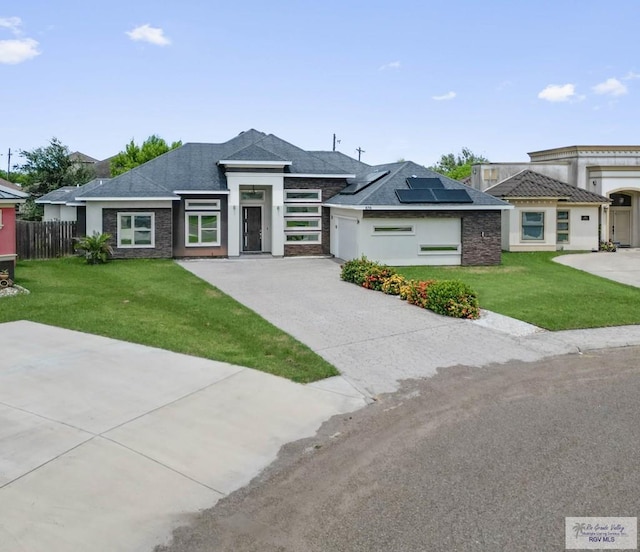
[
  {"x": 157, "y": 303},
  {"x": 533, "y": 288}
]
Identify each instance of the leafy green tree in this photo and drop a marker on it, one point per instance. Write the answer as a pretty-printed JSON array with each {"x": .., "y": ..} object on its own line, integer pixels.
[
  {"x": 15, "y": 176},
  {"x": 458, "y": 166},
  {"x": 134, "y": 155},
  {"x": 49, "y": 168}
]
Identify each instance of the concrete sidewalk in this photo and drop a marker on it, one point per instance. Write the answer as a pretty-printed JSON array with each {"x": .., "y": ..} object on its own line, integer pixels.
[
  {"x": 108, "y": 446},
  {"x": 376, "y": 340}
]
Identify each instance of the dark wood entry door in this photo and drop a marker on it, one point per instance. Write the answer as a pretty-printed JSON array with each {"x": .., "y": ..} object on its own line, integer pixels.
[{"x": 252, "y": 228}]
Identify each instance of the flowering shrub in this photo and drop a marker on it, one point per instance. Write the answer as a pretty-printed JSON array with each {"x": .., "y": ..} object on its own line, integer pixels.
[
  {"x": 447, "y": 297},
  {"x": 607, "y": 246},
  {"x": 417, "y": 292},
  {"x": 376, "y": 276},
  {"x": 392, "y": 284},
  {"x": 355, "y": 271},
  {"x": 453, "y": 298}
]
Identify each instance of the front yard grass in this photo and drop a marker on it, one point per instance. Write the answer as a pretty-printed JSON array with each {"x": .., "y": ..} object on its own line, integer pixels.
[
  {"x": 157, "y": 303},
  {"x": 534, "y": 288}
]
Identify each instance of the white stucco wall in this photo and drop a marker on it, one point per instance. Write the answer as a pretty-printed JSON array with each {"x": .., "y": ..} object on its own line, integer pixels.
[
  {"x": 400, "y": 249},
  {"x": 51, "y": 212},
  {"x": 583, "y": 234},
  {"x": 273, "y": 210}
]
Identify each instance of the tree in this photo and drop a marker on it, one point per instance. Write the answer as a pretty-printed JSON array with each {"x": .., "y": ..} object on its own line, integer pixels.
[
  {"x": 458, "y": 166},
  {"x": 49, "y": 168},
  {"x": 134, "y": 155}
]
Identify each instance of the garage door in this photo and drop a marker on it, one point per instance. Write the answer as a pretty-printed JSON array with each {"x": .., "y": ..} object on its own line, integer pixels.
[{"x": 347, "y": 230}]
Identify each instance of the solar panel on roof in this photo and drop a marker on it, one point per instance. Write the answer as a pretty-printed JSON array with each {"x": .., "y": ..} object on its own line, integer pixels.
[
  {"x": 433, "y": 195},
  {"x": 452, "y": 196},
  {"x": 416, "y": 196},
  {"x": 416, "y": 183}
]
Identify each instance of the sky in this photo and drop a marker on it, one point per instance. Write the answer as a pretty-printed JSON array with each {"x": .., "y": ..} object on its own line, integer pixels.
[{"x": 399, "y": 79}]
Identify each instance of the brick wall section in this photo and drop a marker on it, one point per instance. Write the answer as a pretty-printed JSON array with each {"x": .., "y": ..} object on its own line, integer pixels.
[
  {"x": 329, "y": 187},
  {"x": 163, "y": 234},
  {"x": 477, "y": 250}
]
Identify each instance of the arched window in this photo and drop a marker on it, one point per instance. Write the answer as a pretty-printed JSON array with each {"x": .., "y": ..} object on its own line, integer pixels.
[{"x": 620, "y": 200}]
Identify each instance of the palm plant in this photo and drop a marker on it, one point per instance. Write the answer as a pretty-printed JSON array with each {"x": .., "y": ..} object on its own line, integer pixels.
[{"x": 96, "y": 248}]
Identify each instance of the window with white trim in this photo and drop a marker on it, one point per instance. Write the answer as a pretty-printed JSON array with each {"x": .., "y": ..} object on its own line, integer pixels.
[
  {"x": 532, "y": 225},
  {"x": 393, "y": 230},
  {"x": 562, "y": 226},
  {"x": 303, "y": 196},
  {"x": 252, "y": 195},
  {"x": 202, "y": 229},
  {"x": 303, "y": 216},
  {"x": 136, "y": 229},
  {"x": 202, "y": 204}
]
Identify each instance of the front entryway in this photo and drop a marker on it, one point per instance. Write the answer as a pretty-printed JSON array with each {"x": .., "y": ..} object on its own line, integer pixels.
[
  {"x": 621, "y": 226},
  {"x": 252, "y": 229}
]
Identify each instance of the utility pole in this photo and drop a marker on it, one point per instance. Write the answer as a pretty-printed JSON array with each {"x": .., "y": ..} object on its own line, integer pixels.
[
  {"x": 9, "y": 164},
  {"x": 360, "y": 152},
  {"x": 335, "y": 141}
]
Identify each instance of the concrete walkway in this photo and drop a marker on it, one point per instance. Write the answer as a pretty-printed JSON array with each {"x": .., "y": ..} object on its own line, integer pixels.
[
  {"x": 377, "y": 340},
  {"x": 108, "y": 446}
]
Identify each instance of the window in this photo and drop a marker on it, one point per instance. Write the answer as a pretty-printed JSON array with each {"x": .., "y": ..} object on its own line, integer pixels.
[
  {"x": 562, "y": 227},
  {"x": 302, "y": 223},
  {"x": 490, "y": 176},
  {"x": 0, "y": 218},
  {"x": 432, "y": 249},
  {"x": 302, "y": 195},
  {"x": 393, "y": 230},
  {"x": 302, "y": 216},
  {"x": 136, "y": 229},
  {"x": 202, "y": 229},
  {"x": 532, "y": 225},
  {"x": 303, "y": 238},
  {"x": 253, "y": 195},
  {"x": 290, "y": 210},
  {"x": 202, "y": 204}
]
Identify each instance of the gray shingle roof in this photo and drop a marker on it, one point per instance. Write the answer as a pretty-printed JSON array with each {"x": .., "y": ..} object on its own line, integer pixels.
[
  {"x": 195, "y": 166},
  {"x": 61, "y": 195},
  {"x": 11, "y": 192},
  {"x": 339, "y": 159},
  {"x": 529, "y": 183},
  {"x": 383, "y": 191}
]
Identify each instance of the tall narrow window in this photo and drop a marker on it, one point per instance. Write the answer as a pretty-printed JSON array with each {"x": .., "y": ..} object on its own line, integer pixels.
[
  {"x": 533, "y": 225},
  {"x": 562, "y": 227}
]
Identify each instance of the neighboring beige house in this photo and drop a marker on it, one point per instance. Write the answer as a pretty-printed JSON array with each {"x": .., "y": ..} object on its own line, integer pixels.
[
  {"x": 609, "y": 171},
  {"x": 548, "y": 214}
]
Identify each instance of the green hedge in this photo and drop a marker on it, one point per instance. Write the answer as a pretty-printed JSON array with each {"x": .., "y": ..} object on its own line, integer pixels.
[{"x": 447, "y": 297}]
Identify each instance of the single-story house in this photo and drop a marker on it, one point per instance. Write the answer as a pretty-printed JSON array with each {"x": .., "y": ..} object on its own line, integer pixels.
[
  {"x": 10, "y": 196},
  {"x": 257, "y": 193},
  {"x": 548, "y": 214}
]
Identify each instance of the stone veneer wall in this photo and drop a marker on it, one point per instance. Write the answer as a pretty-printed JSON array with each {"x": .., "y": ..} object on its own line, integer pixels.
[
  {"x": 163, "y": 234},
  {"x": 477, "y": 248},
  {"x": 329, "y": 187}
]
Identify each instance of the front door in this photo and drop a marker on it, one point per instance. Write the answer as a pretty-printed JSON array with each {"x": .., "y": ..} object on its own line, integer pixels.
[
  {"x": 252, "y": 229},
  {"x": 621, "y": 226}
]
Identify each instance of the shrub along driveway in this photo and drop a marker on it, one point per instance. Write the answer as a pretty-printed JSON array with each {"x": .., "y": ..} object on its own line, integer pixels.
[{"x": 377, "y": 340}]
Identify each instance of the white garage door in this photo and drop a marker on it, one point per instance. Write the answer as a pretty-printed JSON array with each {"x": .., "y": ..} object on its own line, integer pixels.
[{"x": 347, "y": 230}]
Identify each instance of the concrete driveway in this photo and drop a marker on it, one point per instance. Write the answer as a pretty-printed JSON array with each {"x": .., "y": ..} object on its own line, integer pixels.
[
  {"x": 622, "y": 266},
  {"x": 376, "y": 340},
  {"x": 108, "y": 446}
]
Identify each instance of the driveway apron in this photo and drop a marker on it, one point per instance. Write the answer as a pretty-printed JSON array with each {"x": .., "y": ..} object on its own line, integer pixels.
[{"x": 376, "y": 340}]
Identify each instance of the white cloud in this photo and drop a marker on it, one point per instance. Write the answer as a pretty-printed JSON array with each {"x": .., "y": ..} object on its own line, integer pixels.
[
  {"x": 558, "y": 93},
  {"x": 147, "y": 33},
  {"x": 18, "y": 50},
  {"x": 613, "y": 87},
  {"x": 392, "y": 65},
  {"x": 631, "y": 76},
  {"x": 447, "y": 96},
  {"x": 11, "y": 23}
]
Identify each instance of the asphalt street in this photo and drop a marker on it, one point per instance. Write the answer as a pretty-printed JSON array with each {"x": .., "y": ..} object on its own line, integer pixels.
[{"x": 473, "y": 459}]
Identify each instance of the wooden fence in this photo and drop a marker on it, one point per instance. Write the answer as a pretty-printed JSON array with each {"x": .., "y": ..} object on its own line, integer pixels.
[{"x": 44, "y": 240}]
